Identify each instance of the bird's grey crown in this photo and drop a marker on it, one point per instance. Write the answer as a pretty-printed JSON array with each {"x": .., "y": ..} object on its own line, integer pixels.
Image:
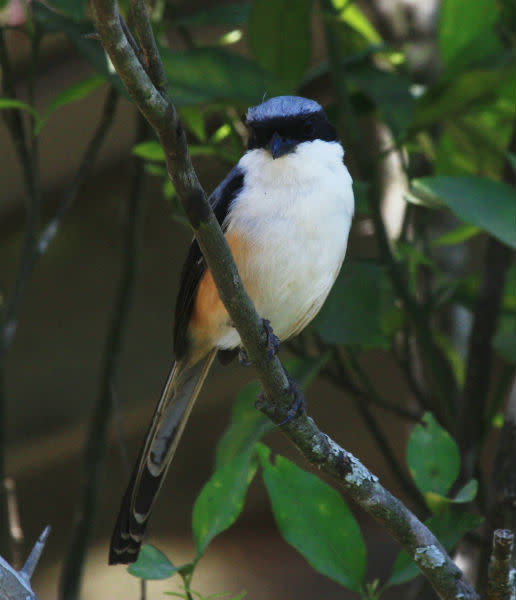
[{"x": 282, "y": 106}]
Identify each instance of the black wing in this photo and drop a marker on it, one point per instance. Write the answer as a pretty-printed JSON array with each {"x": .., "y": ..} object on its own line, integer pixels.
[{"x": 195, "y": 266}]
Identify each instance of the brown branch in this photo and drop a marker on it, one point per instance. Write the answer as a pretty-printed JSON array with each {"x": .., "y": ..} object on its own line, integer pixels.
[{"x": 317, "y": 447}]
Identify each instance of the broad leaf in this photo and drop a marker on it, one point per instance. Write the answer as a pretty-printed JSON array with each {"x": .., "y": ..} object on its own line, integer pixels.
[
  {"x": 211, "y": 74},
  {"x": 466, "y": 31},
  {"x": 315, "y": 519},
  {"x": 78, "y": 32},
  {"x": 221, "y": 500},
  {"x": 360, "y": 307},
  {"x": 279, "y": 37},
  {"x": 389, "y": 91},
  {"x": 479, "y": 201},
  {"x": 432, "y": 457},
  {"x": 448, "y": 529},
  {"x": 152, "y": 564}
]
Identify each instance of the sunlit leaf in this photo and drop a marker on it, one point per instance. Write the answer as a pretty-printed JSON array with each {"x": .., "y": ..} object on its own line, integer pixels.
[
  {"x": 150, "y": 150},
  {"x": 315, "y": 519}
]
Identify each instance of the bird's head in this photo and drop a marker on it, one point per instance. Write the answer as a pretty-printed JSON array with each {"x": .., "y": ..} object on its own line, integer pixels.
[{"x": 280, "y": 124}]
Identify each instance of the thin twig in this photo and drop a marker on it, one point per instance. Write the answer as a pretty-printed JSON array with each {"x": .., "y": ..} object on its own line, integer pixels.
[
  {"x": 318, "y": 448},
  {"x": 99, "y": 426}
]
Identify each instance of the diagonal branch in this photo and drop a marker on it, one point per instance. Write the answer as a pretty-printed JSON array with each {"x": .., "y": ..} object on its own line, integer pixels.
[{"x": 317, "y": 447}]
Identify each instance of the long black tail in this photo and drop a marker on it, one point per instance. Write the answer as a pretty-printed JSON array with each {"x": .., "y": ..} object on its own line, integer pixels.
[{"x": 169, "y": 419}]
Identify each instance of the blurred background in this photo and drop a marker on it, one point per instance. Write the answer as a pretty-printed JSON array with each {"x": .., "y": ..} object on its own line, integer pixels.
[{"x": 54, "y": 370}]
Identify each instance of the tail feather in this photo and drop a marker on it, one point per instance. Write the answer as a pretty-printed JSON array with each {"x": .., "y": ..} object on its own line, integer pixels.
[{"x": 173, "y": 409}]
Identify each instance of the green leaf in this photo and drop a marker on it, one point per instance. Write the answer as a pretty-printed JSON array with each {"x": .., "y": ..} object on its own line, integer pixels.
[
  {"x": 234, "y": 14},
  {"x": 210, "y": 74},
  {"x": 13, "y": 103},
  {"x": 280, "y": 39},
  {"x": 448, "y": 529},
  {"x": 474, "y": 142},
  {"x": 439, "y": 504},
  {"x": 221, "y": 500},
  {"x": 479, "y": 201},
  {"x": 467, "y": 30},
  {"x": 78, "y": 32},
  {"x": 76, "y": 91},
  {"x": 432, "y": 457},
  {"x": 359, "y": 308},
  {"x": 460, "y": 234},
  {"x": 150, "y": 150},
  {"x": 152, "y": 564},
  {"x": 389, "y": 91},
  {"x": 452, "y": 98},
  {"x": 352, "y": 15},
  {"x": 467, "y": 493},
  {"x": 248, "y": 425},
  {"x": 315, "y": 519},
  {"x": 193, "y": 118}
]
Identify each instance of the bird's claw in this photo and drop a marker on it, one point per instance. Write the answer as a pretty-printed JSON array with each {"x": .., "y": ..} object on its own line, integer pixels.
[
  {"x": 272, "y": 345},
  {"x": 296, "y": 408}
]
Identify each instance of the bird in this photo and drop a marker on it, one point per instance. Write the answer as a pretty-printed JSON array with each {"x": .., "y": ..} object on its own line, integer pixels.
[{"x": 285, "y": 209}]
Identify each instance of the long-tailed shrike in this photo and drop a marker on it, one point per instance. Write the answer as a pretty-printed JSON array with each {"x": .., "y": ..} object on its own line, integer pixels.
[{"x": 286, "y": 210}]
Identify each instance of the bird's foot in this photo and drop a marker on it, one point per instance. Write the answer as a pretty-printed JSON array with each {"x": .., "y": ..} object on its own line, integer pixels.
[
  {"x": 272, "y": 345},
  {"x": 296, "y": 408}
]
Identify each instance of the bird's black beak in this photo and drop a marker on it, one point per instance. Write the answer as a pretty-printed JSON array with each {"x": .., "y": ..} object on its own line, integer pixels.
[{"x": 280, "y": 146}]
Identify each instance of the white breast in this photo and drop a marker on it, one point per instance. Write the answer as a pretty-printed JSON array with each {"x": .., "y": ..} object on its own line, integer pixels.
[{"x": 295, "y": 213}]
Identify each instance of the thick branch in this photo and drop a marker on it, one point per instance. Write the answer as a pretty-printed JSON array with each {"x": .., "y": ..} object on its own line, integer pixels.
[{"x": 431, "y": 558}]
